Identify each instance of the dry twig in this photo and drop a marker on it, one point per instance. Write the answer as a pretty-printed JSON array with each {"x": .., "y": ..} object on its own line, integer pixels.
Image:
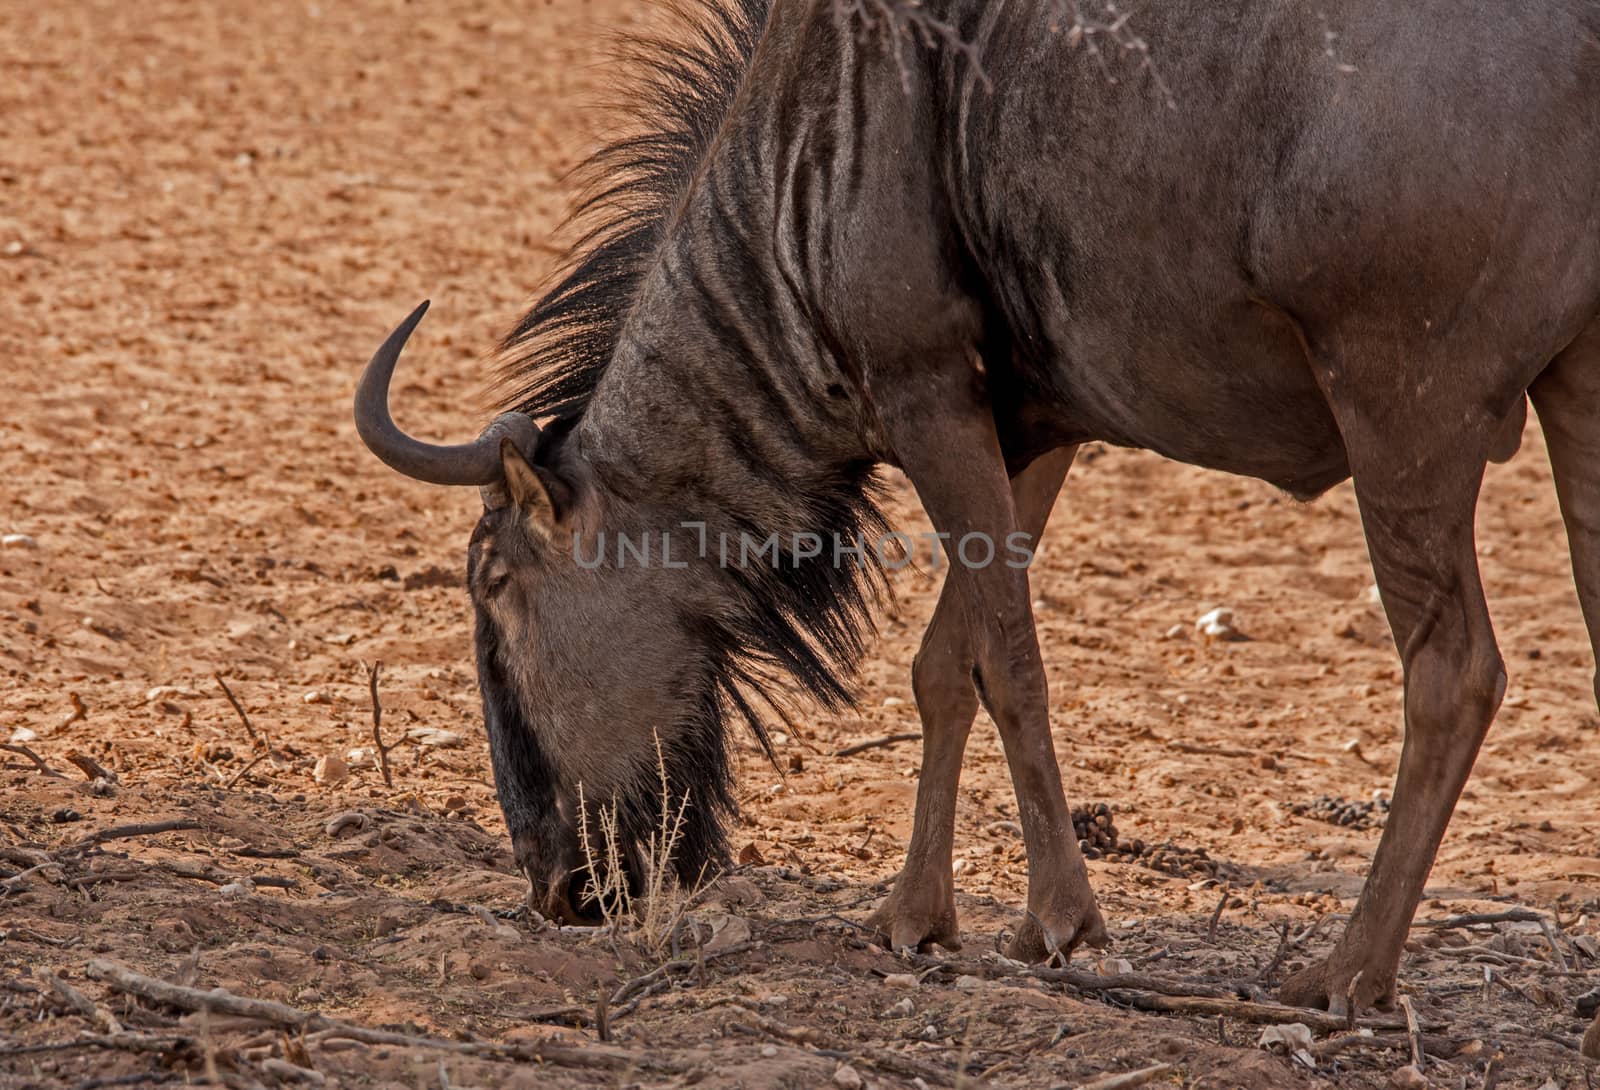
[
  {"x": 126, "y": 832},
  {"x": 239, "y": 775},
  {"x": 38, "y": 761},
  {"x": 876, "y": 743},
  {"x": 373, "y": 671},
  {"x": 255, "y": 739},
  {"x": 91, "y": 768},
  {"x": 1128, "y": 1080},
  {"x": 1472, "y": 919},
  {"x": 1414, "y": 1032}
]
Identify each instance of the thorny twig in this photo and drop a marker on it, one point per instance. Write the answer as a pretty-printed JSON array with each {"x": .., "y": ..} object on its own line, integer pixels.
[
  {"x": 1111, "y": 25},
  {"x": 373, "y": 671},
  {"x": 898, "y": 20},
  {"x": 1102, "y": 33}
]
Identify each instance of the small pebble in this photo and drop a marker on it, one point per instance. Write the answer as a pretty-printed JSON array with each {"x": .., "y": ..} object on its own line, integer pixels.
[
  {"x": 18, "y": 541},
  {"x": 903, "y": 1009},
  {"x": 968, "y": 983},
  {"x": 900, "y": 980},
  {"x": 769, "y": 1051},
  {"x": 846, "y": 1077},
  {"x": 22, "y": 736},
  {"x": 315, "y": 697}
]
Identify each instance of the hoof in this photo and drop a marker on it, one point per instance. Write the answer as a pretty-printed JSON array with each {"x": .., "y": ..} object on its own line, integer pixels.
[
  {"x": 1325, "y": 986},
  {"x": 1036, "y": 942},
  {"x": 915, "y": 923}
]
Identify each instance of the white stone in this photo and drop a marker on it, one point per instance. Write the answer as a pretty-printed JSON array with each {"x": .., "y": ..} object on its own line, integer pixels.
[
  {"x": 18, "y": 541},
  {"x": 1220, "y": 623}
]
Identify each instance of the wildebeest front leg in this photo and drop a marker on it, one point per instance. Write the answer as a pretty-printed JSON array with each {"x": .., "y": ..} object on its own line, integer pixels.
[
  {"x": 944, "y": 436},
  {"x": 922, "y": 906},
  {"x": 1417, "y": 470}
]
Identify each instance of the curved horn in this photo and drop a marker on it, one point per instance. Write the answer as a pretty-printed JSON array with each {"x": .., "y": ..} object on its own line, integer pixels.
[{"x": 475, "y": 463}]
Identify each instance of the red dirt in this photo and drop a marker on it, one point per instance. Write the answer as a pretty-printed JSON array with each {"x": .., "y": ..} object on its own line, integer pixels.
[{"x": 208, "y": 218}]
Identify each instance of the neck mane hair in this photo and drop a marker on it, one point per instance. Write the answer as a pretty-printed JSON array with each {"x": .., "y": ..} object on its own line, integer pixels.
[{"x": 800, "y": 624}]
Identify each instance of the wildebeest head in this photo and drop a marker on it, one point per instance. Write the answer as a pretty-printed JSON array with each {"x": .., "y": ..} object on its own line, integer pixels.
[
  {"x": 590, "y": 719},
  {"x": 607, "y": 685}
]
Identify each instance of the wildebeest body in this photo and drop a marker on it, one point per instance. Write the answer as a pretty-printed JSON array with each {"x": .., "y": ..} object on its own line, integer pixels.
[{"x": 1313, "y": 241}]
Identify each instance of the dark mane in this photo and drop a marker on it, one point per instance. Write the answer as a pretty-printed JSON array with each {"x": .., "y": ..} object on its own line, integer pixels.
[
  {"x": 687, "y": 79},
  {"x": 802, "y": 622}
]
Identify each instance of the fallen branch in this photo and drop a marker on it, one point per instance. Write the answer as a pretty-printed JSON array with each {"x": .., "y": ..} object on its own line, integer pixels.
[
  {"x": 281, "y": 1014},
  {"x": 70, "y": 997},
  {"x": 128, "y": 1042},
  {"x": 127, "y": 832},
  {"x": 1442, "y": 1047},
  {"x": 38, "y": 761},
  {"x": 377, "y": 722},
  {"x": 1082, "y": 981},
  {"x": 1244, "y": 1011},
  {"x": 16, "y": 881},
  {"x": 1128, "y": 1079},
  {"x": 1472, "y": 919},
  {"x": 876, "y": 743}
]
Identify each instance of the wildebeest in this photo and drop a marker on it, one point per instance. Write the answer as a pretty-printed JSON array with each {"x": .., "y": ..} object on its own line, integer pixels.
[{"x": 1357, "y": 237}]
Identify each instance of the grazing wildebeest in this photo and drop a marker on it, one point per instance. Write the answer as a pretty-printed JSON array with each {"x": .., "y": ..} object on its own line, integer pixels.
[{"x": 1358, "y": 236}]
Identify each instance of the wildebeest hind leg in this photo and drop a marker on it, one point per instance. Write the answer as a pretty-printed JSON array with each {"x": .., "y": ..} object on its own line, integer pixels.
[
  {"x": 944, "y": 438},
  {"x": 922, "y": 906},
  {"x": 1417, "y": 468},
  {"x": 1567, "y": 396}
]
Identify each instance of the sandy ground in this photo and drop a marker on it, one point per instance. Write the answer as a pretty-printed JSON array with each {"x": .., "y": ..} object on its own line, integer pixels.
[{"x": 209, "y": 216}]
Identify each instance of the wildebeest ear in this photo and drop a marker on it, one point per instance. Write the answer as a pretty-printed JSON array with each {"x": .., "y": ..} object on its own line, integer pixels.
[{"x": 529, "y": 490}]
